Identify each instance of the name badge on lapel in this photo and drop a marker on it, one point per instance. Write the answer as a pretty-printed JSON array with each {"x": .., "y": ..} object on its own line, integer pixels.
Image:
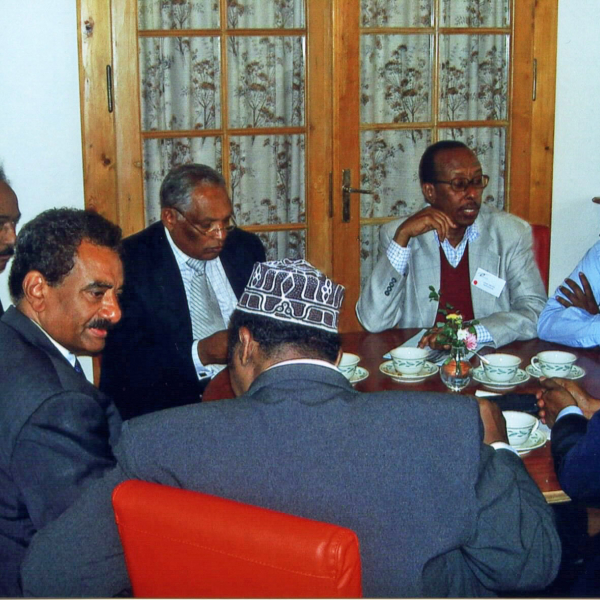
[{"x": 486, "y": 281}]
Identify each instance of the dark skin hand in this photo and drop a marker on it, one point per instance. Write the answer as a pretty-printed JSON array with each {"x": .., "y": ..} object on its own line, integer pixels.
[
  {"x": 557, "y": 393},
  {"x": 578, "y": 297},
  {"x": 213, "y": 349},
  {"x": 494, "y": 425},
  {"x": 430, "y": 339},
  {"x": 426, "y": 220}
]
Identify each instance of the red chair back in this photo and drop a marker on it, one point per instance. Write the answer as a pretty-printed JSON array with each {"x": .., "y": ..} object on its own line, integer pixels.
[
  {"x": 186, "y": 544},
  {"x": 541, "y": 250}
]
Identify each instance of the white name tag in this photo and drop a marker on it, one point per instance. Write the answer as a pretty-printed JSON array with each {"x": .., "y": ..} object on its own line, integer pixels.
[{"x": 484, "y": 280}]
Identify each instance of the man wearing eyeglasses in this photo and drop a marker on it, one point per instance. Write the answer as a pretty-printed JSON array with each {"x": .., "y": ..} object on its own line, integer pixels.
[
  {"x": 183, "y": 277},
  {"x": 479, "y": 258}
]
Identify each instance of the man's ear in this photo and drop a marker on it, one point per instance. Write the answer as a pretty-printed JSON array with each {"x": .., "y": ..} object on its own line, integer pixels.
[
  {"x": 168, "y": 216},
  {"x": 35, "y": 287},
  {"x": 428, "y": 190},
  {"x": 339, "y": 356},
  {"x": 247, "y": 347}
]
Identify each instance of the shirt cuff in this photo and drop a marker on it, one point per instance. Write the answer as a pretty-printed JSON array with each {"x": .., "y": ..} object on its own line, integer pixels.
[
  {"x": 398, "y": 257},
  {"x": 503, "y": 446},
  {"x": 569, "y": 410},
  {"x": 483, "y": 335},
  {"x": 203, "y": 371}
]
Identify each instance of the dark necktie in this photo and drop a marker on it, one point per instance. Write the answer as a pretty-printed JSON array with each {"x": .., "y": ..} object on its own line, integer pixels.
[{"x": 77, "y": 366}]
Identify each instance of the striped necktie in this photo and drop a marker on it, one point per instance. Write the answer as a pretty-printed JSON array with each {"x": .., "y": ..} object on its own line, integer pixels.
[{"x": 204, "y": 306}]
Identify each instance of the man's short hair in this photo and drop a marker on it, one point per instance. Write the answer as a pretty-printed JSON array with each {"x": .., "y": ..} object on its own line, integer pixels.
[
  {"x": 428, "y": 167},
  {"x": 49, "y": 242},
  {"x": 273, "y": 335},
  {"x": 3, "y": 176},
  {"x": 177, "y": 187}
]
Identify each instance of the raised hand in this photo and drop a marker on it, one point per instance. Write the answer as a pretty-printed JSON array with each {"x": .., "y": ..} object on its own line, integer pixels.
[{"x": 425, "y": 220}]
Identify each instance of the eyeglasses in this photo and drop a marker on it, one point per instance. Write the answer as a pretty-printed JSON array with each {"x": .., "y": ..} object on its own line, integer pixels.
[
  {"x": 462, "y": 184},
  {"x": 213, "y": 230}
]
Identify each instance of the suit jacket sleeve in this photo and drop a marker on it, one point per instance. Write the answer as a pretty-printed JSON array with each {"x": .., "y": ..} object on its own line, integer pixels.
[
  {"x": 576, "y": 454},
  {"x": 64, "y": 445},
  {"x": 514, "y": 544},
  {"x": 381, "y": 302},
  {"x": 574, "y": 326},
  {"x": 527, "y": 296}
]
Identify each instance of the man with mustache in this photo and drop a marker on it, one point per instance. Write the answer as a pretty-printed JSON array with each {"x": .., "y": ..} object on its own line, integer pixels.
[
  {"x": 9, "y": 218},
  {"x": 183, "y": 277},
  {"x": 56, "y": 429},
  {"x": 479, "y": 258}
]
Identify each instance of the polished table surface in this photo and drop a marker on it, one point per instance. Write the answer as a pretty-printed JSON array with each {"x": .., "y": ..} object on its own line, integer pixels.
[{"x": 372, "y": 346}]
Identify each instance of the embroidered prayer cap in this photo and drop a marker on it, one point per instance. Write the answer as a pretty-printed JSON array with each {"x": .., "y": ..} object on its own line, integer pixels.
[{"x": 293, "y": 291}]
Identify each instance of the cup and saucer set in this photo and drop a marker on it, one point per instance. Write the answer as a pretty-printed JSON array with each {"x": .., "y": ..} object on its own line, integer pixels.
[
  {"x": 409, "y": 365},
  {"x": 500, "y": 371},
  {"x": 348, "y": 365},
  {"x": 555, "y": 363},
  {"x": 525, "y": 432}
]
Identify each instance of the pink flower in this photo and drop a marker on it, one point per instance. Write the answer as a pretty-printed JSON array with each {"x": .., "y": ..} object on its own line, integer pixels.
[{"x": 471, "y": 341}]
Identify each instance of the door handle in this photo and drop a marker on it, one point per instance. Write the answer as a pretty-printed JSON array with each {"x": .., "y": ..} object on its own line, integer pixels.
[{"x": 346, "y": 191}]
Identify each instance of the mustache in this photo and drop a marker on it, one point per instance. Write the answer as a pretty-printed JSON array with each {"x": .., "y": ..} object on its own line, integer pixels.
[
  {"x": 101, "y": 324},
  {"x": 8, "y": 251}
]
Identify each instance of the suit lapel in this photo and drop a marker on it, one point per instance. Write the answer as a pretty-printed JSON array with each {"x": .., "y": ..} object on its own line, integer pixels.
[
  {"x": 481, "y": 254},
  {"x": 425, "y": 251}
]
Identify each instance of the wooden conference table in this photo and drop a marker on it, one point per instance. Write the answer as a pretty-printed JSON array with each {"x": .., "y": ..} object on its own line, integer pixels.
[{"x": 372, "y": 346}]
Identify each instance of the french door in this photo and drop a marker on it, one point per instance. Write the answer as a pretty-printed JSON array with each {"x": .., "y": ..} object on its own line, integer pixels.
[{"x": 303, "y": 103}]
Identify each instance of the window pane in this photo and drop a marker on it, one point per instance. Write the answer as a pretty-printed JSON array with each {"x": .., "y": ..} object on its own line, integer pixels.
[
  {"x": 179, "y": 83},
  {"x": 395, "y": 78},
  {"x": 266, "y": 14},
  {"x": 267, "y": 179},
  {"x": 284, "y": 244},
  {"x": 489, "y": 143},
  {"x": 475, "y": 13},
  {"x": 474, "y": 77},
  {"x": 266, "y": 81},
  {"x": 396, "y": 13},
  {"x": 161, "y": 155},
  {"x": 390, "y": 168},
  {"x": 177, "y": 14}
]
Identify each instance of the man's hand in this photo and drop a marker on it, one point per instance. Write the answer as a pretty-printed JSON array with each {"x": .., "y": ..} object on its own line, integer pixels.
[
  {"x": 213, "y": 349},
  {"x": 557, "y": 393},
  {"x": 430, "y": 339},
  {"x": 425, "y": 220},
  {"x": 578, "y": 297},
  {"x": 494, "y": 425}
]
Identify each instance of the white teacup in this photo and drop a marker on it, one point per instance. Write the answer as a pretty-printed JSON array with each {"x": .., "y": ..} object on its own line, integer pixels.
[
  {"x": 409, "y": 361},
  {"x": 519, "y": 426},
  {"x": 348, "y": 363},
  {"x": 554, "y": 363},
  {"x": 501, "y": 367}
]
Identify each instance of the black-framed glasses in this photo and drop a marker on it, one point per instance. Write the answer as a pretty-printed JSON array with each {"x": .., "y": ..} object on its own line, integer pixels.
[
  {"x": 213, "y": 230},
  {"x": 462, "y": 184}
]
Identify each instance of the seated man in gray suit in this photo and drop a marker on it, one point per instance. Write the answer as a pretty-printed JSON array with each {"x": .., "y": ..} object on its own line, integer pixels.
[
  {"x": 437, "y": 508},
  {"x": 56, "y": 428},
  {"x": 480, "y": 258}
]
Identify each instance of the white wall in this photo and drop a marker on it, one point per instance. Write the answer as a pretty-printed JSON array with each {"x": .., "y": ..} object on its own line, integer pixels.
[
  {"x": 575, "y": 218},
  {"x": 40, "y": 131}
]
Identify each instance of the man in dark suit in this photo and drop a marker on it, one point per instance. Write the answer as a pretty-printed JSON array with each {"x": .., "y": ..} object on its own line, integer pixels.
[
  {"x": 56, "y": 429},
  {"x": 182, "y": 280},
  {"x": 574, "y": 417},
  {"x": 9, "y": 217},
  {"x": 438, "y": 510}
]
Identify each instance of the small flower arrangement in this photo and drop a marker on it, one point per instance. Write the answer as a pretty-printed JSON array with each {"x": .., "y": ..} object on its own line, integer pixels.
[{"x": 454, "y": 332}]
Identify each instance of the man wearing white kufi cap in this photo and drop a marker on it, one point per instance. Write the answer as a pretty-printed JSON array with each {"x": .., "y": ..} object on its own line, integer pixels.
[{"x": 437, "y": 510}]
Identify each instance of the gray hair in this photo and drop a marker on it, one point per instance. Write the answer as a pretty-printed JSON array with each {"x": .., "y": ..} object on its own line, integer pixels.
[{"x": 177, "y": 187}]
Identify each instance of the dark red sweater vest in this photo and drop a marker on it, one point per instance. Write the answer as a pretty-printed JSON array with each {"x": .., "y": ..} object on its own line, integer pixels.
[{"x": 455, "y": 285}]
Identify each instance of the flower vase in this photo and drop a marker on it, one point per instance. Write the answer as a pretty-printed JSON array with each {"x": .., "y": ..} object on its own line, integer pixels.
[{"x": 456, "y": 370}]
